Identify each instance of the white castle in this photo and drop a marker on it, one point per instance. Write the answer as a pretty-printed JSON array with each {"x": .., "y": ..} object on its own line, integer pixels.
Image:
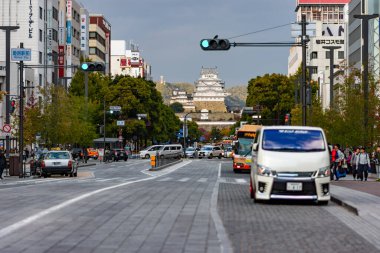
[{"x": 209, "y": 93}]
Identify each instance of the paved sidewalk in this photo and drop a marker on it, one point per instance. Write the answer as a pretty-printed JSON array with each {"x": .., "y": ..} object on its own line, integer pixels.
[{"x": 361, "y": 197}]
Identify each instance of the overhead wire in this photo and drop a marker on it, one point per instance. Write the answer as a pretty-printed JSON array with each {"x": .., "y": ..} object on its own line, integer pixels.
[{"x": 262, "y": 30}]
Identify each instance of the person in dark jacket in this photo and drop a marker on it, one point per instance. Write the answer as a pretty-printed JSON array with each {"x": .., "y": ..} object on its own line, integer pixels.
[{"x": 3, "y": 164}]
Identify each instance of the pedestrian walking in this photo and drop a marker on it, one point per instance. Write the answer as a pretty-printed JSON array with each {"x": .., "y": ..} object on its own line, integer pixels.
[
  {"x": 354, "y": 158},
  {"x": 85, "y": 154},
  {"x": 3, "y": 164},
  {"x": 338, "y": 160},
  {"x": 363, "y": 164}
]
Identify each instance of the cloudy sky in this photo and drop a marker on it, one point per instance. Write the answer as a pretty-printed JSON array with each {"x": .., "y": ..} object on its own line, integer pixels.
[{"x": 168, "y": 33}]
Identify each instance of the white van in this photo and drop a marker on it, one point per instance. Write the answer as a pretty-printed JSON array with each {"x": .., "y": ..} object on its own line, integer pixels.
[
  {"x": 290, "y": 162},
  {"x": 171, "y": 151},
  {"x": 149, "y": 151}
]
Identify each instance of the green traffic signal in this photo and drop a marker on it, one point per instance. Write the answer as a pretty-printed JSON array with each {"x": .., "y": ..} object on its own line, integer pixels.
[
  {"x": 92, "y": 66},
  {"x": 215, "y": 44}
]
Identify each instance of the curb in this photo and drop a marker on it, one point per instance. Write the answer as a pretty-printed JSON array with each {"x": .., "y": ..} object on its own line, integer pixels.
[
  {"x": 345, "y": 205},
  {"x": 86, "y": 165},
  {"x": 165, "y": 166}
]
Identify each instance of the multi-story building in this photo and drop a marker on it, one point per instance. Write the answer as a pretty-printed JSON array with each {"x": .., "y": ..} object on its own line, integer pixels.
[
  {"x": 128, "y": 61},
  {"x": 330, "y": 18},
  {"x": 357, "y": 7},
  {"x": 38, "y": 31},
  {"x": 100, "y": 40}
]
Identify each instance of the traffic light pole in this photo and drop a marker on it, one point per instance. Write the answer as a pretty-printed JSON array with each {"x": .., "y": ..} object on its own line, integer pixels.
[
  {"x": 303, "y": 82},
  {"x": 21, "y": 123}
]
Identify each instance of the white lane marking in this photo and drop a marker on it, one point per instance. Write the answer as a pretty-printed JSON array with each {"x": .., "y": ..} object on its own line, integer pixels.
[
  {"x": 165, "y": 179},
  {"x": 106, "y": 179},
  {"x": 185, "y": 179},
  {"x": 241, "y": 180},
  {"x": 225, "y": 243},
  {"x": 12, "y": 228},
  {"x": 202, "y": 180}
]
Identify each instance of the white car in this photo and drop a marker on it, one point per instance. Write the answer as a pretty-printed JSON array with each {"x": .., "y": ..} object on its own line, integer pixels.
[
  {"x": 149, "y": 151},
  {"x": 59, "y": 162},
  {"x": 290, "y": 162},
  {"x": 210, "y": 152}
]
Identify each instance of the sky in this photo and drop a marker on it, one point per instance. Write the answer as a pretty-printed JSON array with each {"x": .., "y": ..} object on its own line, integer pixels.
[{"x": 168, "y": 33}]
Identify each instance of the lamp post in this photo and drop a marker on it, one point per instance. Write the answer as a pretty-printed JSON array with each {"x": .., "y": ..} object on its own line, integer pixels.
[
  {"x": 332, "y": 48},
  {"x": 184, "y": 132},
  {"x": 365, "y": 19}
]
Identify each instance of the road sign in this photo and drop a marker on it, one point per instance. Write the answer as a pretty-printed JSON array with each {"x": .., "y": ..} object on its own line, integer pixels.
[
  {"x": 142, "y": 115},
  {"x": 21, "y": 54},
  {"x": 115, "y": 108},
  {"x": 6, "y": 134},
  {"x": 7, "y": 128},
  {"x": 120, "y": 123}
]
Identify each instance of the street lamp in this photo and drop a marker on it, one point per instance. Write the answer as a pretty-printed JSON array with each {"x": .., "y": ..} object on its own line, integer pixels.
[
  {"x": 184, "y": 131},
  {"x": 365, "y": 19},
  {"x": 332, "y": 48}
]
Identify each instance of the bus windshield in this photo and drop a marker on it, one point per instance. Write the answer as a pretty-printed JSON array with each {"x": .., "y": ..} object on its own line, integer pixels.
[{"x": 244, "y": 146}]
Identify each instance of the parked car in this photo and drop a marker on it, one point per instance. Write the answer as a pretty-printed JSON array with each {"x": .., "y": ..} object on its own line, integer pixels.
[
  {"x": 210, "y": 152},
  {"x": 149, "y": 151},
  {"x": 59, "y": 162},
  {"x": 92, "y": 153},
  {"x": 191, "y": 152},
  {"x": 119, "y": 154}
]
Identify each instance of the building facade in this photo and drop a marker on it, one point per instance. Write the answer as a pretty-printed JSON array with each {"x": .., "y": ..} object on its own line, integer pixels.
[
  {"x": 357, "y": 7},
  {"x": 330, "y": 19},
  {"x": 129, "y": 62},
  {"x": 100, "y": 40}
]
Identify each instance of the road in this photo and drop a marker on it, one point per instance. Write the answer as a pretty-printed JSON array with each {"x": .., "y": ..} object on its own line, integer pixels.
[{"x": 194, "y": 206}]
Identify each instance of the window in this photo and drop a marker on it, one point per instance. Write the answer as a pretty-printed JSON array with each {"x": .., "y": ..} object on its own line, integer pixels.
[
  {"x": 40, "y": 57},
  {"x": 314, "y": 70},
  {"x": 340, "y": 54},
  {"x": 92, "y": 50},
  {"x": 92, "y": 35},
  {"x": 40, "y": 79},
  {"x": 55, "y": 35},
  {"x": 41, "y": 12},
  {"x": 40, "y": 35},
  {"x": 55, "y": 13},
  {"x": 314, "y": 55},
  {"x": 293, "y": 140},
  {"x": 328, "y": 54}
]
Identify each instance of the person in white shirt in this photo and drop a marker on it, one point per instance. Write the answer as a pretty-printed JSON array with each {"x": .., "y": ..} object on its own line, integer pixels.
[{"x": 362, "y": 164}]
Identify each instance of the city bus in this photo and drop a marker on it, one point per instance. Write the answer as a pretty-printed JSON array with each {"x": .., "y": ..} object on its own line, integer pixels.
[{"x": 242, "y": 157}]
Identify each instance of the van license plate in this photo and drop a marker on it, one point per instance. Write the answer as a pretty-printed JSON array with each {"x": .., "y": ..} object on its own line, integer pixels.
[{"x": 294, "y": 186}]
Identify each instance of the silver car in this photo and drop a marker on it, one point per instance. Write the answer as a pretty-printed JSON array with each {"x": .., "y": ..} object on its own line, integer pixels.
[
  {"x": 59, "y": 162},
  {"x": 191, "y": 152}
]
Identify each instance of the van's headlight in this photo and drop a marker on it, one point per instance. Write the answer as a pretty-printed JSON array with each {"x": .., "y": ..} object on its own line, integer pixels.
[
  {"x": 324, "y": 172},
  {"x": 265, "y": 171}
]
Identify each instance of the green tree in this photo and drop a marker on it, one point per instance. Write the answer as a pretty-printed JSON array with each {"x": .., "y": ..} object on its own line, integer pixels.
[
  {"x": 274, "y": 93},
  {"x": 177, "y": 107}
]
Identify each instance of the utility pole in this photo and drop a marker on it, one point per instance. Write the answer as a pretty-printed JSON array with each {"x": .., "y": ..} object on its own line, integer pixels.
[
  {"x": 365, "y": 19},
  {"x": 304, "y": 40},
  {"x": 8, "y": 30},
  {"x": 21, "y": 123},
  {"x": 332, "y": 49}
]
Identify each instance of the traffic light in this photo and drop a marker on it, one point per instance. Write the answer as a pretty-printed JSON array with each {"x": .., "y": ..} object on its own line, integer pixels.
[
  {"x": 215, "y": 44},
  {"x": 92, "y": 66},
  {"x": 287, "y": 119},
  {"x": 12, "y": 108}
]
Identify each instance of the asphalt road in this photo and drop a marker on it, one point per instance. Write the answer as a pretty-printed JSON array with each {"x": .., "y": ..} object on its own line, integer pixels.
[{"x": 195, "y": 206}]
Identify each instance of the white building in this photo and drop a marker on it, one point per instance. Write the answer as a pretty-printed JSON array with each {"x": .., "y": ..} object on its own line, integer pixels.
[
  {"x": 128, "y": 61},
  {"x": 330, "y": 18},
  {"x": 210, "y": 91},
  {"x": 357, "y": 7},
  {"x": 183, "y": 98}
]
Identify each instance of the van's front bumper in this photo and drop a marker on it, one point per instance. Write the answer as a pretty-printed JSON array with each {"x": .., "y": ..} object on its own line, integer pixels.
[{"x": 297, "y": 188}]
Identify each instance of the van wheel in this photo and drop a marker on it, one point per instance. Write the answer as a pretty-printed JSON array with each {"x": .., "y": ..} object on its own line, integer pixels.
[
  {"x": 147, "y": 156},
  {"x": 220, "y": 156},
  {"x": 75, "y": 174},
  {"x": 210, "y": 157}
]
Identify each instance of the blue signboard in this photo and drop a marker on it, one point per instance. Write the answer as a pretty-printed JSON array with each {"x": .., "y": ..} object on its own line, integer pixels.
[
  {"x": 21, "y": 54},
  {"x": 69, "y": 30}
]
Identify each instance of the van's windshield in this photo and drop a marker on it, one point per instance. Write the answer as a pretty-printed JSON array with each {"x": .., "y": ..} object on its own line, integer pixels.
[{"x": 293, "y": 140}]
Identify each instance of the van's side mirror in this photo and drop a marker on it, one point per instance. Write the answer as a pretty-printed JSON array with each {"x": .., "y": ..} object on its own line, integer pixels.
[{"x": 255, "y": 146}]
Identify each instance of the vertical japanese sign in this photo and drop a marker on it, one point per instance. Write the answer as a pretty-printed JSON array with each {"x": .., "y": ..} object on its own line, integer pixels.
[
  {"x": 49, "y": 34},
  {"x": 61, "y": 61},
  {"x": 83, "y": 32}
]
